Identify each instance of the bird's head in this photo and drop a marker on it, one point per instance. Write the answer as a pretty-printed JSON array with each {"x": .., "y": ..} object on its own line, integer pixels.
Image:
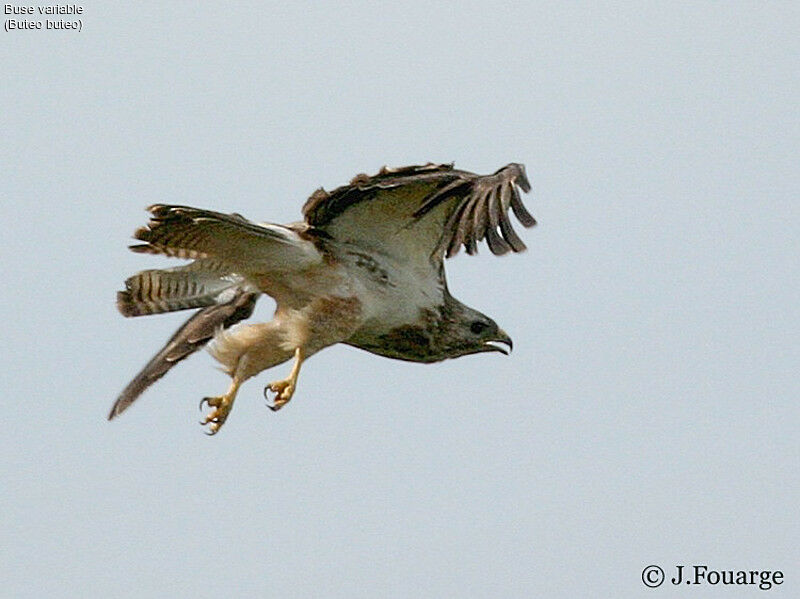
[
  {"x": 449, "y": 331},
  {"x": 466, "y": 331}
]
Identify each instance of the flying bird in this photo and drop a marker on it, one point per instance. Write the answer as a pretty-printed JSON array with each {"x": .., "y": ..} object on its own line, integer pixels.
[{"x": 365, "y": 267}]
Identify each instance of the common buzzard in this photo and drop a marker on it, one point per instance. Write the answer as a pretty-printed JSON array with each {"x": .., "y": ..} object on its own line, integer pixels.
[{"x": 365, "y": 268}]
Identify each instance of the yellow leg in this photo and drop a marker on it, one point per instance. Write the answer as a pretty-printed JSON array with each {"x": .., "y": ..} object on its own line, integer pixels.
[
  {"x": 221, "y": 405},
  {"x": 285, "y": 389}
]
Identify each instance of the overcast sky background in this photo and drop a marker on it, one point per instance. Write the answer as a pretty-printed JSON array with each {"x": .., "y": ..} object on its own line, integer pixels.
[{"x": 648, "y": 414}]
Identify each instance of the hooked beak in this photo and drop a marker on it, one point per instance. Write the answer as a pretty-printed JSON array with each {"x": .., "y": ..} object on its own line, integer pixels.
[{"x": 502, "y": 337}]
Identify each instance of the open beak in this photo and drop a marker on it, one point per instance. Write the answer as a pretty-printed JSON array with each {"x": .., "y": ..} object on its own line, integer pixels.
[{"x": 495, "y": 344}]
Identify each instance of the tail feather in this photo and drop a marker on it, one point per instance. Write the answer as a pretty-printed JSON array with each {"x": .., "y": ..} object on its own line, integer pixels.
[
  {"x": 167, "y": 290},
  {"x": 193, "y": 335}
]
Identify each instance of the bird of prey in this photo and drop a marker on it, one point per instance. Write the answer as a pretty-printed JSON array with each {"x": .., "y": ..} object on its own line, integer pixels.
[{"x": 365, "y": 268}]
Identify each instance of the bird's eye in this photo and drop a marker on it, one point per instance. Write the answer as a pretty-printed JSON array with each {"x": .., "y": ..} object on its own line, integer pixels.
[{"x": 478, "y": 327}]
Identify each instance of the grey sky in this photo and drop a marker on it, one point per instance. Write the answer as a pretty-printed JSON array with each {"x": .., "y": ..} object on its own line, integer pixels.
[{"x": 648, "y": 414}]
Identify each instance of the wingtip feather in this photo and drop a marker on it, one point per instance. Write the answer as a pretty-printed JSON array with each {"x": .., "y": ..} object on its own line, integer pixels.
[{"x": 487, "y": 218}]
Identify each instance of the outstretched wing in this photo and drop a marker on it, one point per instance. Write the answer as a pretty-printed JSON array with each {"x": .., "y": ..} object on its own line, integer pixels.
[
  {"x": 194, "y": 334},
  {"x": 424, "y": 212}
]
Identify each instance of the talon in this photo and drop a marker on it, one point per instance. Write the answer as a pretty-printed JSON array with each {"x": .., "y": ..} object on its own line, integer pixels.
[
  {"x": 272, "y": 404},
  {"x": 220, "y": 408},
  {"x": 283, "y": 391},
  {"x": 211, "y": 402}
]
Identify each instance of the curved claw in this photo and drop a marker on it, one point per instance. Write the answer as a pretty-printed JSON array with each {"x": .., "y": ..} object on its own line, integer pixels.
[
  {"x": 272, "y": 404},
  {"x": 214, "y": 423},
  {"x": 270, "y": 401},
  {"x": 220, "y": 409},
  {"x": 283, "y": 391},
  {"x": 211, "y": 402}
]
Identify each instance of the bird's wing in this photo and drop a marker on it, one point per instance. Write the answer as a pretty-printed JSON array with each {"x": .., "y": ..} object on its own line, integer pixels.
[
  {"x": 227, "y": 239},
  {"x": 194, "y": 334},
  {"x": 423, "y": 213}
]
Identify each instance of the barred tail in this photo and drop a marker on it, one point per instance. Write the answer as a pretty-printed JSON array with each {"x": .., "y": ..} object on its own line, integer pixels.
[{"x": 195, "y": 285}]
